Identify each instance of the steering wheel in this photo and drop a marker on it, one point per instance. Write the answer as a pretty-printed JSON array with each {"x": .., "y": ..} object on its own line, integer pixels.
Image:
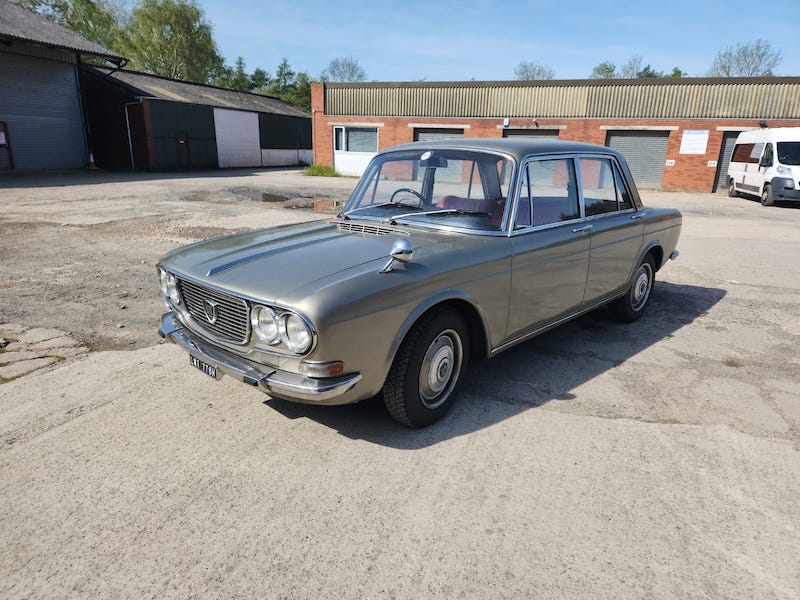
[{"x": 410, "y": 191}]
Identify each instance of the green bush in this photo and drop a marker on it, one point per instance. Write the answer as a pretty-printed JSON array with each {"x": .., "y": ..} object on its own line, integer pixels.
[{"x": 321, "y": 171}]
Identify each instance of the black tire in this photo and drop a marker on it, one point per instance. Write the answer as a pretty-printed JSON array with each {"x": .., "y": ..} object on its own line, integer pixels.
[
  {"x": 428, "y": 369},
  {"x": 633, "y": 304},
  {"x": 766, "y": 196},
  {"x": 732, "y": 189}
]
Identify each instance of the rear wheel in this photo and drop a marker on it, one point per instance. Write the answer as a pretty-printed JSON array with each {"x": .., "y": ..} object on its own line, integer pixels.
[
  {"x": 732, "y": 189},
  {"x": 631, "y": 306},
  {"x": 427, "y": 370},
  {"x": 766, "y": 196}
]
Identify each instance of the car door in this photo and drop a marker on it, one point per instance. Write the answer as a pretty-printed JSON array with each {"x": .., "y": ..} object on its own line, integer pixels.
[
  {"x": 617, "y": 230},
  {"x": 550, "y": 246}
]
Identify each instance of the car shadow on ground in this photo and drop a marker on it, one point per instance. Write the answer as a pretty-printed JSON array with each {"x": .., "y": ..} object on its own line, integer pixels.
[{"x": 544, "y": 369}]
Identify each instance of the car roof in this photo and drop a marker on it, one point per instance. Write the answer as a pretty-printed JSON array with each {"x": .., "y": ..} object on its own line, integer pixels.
[{"x": 518, "y": 148}]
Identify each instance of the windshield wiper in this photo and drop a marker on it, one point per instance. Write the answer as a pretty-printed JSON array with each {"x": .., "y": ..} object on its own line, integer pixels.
[
  {"x": 383, "y": 205},
  {"x": 440, "y": 211}
]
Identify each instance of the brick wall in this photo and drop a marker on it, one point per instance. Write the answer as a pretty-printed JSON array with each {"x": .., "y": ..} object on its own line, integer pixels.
[{"x": 691, "y": 172}]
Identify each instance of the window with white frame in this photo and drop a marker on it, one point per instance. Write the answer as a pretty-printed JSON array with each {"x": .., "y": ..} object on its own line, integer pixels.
[{"x": 355, "y": 139}]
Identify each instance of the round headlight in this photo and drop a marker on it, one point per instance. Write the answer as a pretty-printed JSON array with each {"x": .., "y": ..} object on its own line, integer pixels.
[
  {"x": 172, "y": 289},
  {"x": 265, "y": 324},
  {"x": 169, "y": 286},
  {"x": 162, "y": 280},
  {"x": 295, "y": 333}
]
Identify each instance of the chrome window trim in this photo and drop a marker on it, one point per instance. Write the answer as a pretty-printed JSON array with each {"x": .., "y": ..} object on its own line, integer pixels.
[
  {"x": 512, "y": 186},
  {"x": 518, "y": 192}
]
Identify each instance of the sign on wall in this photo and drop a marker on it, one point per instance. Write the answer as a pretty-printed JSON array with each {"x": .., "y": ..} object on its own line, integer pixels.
[{"x": 694, "y": 141}]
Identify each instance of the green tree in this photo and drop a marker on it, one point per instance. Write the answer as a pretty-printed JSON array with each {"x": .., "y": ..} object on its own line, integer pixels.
[
  {"x": 302, "y": 93},
  {"x": 605, "y": 70},
  {"x": 530, "y": 70},
  {"x": 172, "y": 38},
  {"x": 99, "y": 21},
  {"x": 677, "y": 73},
  {"x": 259, "y": 79},
  {"x": 649, "y": 72},
  {"x": 756, "y": 59}
]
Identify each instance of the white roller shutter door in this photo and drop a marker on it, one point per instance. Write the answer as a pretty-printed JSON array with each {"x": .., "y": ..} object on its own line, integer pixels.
[{"x": 238, "y": 141}]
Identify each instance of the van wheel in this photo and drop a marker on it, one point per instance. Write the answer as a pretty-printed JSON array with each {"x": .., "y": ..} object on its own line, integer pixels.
[
  {"x": 766, "y": 196},
  {"x": 732, "y": 189},
  {"x": 427, "y": 370}
]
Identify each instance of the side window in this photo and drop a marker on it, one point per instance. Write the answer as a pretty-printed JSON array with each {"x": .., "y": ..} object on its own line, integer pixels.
[
  {"x": 547, "y": 193},
  {"x": 768, "y": 154},
  {"x": 599, "y": 186},
  {"x": 755, "y": 154},
  {"x": 741, "y": 153}
]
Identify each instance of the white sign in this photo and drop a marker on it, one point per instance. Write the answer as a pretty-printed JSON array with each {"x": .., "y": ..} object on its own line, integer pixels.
[
  {"x": 694, "y": 141},
  {"x": 712, "y": 163},
  {"x": 670, "y": 163}
]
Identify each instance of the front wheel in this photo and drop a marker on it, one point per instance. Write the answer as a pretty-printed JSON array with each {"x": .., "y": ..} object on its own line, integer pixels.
[
  {"x": 766, "y": 196},
  {"x": 631, "y": 306},
  {"x": 427, "y": 370}
]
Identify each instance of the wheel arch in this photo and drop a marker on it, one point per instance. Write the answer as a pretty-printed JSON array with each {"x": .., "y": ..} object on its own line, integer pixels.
[{"x": 463, "y": 304}]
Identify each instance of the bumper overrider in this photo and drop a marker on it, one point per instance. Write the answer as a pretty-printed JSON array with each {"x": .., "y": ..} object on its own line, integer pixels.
[{"x": 275, "y": 382}]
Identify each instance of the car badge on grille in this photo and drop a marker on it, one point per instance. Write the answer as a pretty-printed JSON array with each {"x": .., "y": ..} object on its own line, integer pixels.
[{"x": 210, "y": 308}]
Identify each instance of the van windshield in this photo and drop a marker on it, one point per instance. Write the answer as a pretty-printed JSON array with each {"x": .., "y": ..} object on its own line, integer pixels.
[{"x": 789, "y": 153}]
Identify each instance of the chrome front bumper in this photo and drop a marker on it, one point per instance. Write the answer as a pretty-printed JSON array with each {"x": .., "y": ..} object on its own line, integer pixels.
[{"x": 277, "y": 383}]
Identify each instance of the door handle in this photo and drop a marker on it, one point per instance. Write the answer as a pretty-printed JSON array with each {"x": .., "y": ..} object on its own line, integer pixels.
[
  {"x": 583, "y": 229},
  {"x": 638, "y": 216}
]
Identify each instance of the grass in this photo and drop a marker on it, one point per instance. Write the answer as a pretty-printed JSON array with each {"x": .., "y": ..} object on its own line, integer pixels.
[{"x": 321, "y": 171}]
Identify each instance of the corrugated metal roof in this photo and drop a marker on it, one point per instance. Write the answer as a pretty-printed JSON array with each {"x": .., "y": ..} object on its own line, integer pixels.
[
  {"x": 667, "y": 98},
  {"x": 144, "y": 85},
  {"x": 17, "y": 23}
]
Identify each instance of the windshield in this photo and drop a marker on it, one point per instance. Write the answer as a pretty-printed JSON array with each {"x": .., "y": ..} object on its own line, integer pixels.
[
  {"x": 789, "y": 153},
  {"x": 455, "y": 188}
]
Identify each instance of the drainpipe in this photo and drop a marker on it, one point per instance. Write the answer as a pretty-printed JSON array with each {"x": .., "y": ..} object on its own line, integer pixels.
[{"x": 128, "y": 126}]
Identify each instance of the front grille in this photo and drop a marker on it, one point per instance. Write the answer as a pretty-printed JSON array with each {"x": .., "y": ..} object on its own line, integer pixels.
[
  {"x": 368, "y": 229},
  {"x": 232, "y": 322}
]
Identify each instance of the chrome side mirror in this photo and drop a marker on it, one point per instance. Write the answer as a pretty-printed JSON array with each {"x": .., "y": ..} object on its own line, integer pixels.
[{"x": 402, "y": 251}]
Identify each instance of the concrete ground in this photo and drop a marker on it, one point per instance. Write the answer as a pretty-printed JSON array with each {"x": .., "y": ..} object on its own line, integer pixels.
[{"x": 659, "y": 459}]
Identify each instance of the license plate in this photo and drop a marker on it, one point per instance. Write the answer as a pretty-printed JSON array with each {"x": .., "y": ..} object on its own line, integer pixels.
[{"x": 207, "y": 369}]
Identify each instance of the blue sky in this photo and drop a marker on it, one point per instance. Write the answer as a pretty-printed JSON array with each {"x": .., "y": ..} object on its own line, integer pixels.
[{"x": 446, "y": 40}]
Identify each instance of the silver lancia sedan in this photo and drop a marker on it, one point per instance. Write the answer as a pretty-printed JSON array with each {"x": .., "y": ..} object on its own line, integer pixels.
[{"x": 446, "y": 251}]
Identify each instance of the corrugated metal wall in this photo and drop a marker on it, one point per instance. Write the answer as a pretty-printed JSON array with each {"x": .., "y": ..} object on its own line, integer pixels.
[
  {"x": 238, "y": 143},
  {"x": 775, "y": 98},
  {"x": 39, "y": 100}
]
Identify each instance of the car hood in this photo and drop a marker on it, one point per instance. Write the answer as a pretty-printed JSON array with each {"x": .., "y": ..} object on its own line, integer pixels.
[{"x": 283, "y": 263}]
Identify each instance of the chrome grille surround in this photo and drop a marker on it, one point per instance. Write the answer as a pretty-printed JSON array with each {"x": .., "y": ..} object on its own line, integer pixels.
[{"x": 233, "y": 314}]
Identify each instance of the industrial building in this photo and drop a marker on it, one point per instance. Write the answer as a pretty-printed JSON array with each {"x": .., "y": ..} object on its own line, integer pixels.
[
  {"x": 42, "y": 118},
  {"x": 676, "y": 134},
  {"x": 143, "y": 121}
]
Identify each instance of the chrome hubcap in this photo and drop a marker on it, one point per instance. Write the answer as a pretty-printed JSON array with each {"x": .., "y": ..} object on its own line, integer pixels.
[
  {"x": 440, "y": 366},
  {"x": 641, "y": 287}
]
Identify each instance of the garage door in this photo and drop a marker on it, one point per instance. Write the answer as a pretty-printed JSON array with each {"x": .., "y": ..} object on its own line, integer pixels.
[
  {"x": 238, "y": 140},
  {"x": 530, "y": 133},
  {"x": 728, "y": 142},
  {"x": 645, "y": 152},
  {"x": 39, "y": 101},
  {"x": 426, "y": 135}
]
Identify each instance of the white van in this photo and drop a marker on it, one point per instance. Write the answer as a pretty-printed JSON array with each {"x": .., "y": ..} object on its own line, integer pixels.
[{"x": 766, "y": 164}]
